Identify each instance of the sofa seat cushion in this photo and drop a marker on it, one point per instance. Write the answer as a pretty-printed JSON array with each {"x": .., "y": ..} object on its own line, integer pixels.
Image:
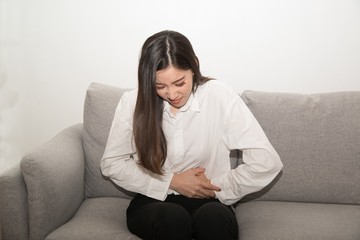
[
  {"x": 262, "y": 220},
  {"x": 97, "y": 219}
]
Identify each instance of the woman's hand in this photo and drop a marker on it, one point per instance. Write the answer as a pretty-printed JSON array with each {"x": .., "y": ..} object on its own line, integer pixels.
[{"x": 193, "y": 184}]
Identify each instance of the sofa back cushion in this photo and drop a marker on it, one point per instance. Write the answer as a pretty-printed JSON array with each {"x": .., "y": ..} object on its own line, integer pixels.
[
  {"x": 318, "y": 139},
  {"x": 99, "y": 109}
]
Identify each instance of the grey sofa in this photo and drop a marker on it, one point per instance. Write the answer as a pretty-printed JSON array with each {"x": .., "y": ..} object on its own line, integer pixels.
[{"x": 58, "y": 191}]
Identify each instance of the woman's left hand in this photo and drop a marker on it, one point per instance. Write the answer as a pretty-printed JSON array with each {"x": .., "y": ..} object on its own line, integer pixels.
[{"x": 193, "y": 183}]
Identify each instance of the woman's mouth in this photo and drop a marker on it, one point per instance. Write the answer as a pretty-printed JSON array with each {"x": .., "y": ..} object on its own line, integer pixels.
[{"x": 175, "y": 101}]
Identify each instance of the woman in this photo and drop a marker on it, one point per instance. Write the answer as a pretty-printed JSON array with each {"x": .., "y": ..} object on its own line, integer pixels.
[{"x": 170, "y": 141}]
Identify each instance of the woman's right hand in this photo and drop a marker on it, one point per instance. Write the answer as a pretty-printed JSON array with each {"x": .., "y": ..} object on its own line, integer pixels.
[{"x": 193, "y": 183}]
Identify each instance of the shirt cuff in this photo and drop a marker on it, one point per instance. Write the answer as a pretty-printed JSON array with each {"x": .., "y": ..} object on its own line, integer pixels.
[
  {"x": 159, "y": 186},
  {"x": 225, "y": 196}
]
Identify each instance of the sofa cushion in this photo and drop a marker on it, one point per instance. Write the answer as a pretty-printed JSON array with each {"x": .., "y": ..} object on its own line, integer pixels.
[
  {"x": 99, "y": 109},
  {"x": 318, "y": 139},
  {"x": 268, "y": 220},
  {"x": 97, "y": 219}
]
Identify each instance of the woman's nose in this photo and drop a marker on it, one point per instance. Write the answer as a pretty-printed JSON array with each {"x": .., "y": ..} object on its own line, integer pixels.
[{"x": 171, "y": 94}]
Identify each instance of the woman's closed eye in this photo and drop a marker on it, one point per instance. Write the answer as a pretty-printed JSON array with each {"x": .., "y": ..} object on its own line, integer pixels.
[
  {"x": 159, "y": 87},
  {"x": 180, "y": 84}
]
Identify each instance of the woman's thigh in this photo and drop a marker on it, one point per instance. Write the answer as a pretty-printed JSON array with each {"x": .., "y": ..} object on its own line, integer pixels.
[
  {"x": 152, "y": 219},
  {"x": 179, "y": 217},
  {"x": 214, "y": 220}
]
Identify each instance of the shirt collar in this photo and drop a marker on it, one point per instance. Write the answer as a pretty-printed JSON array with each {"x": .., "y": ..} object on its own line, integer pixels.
[{"x": 192, "y": 104}]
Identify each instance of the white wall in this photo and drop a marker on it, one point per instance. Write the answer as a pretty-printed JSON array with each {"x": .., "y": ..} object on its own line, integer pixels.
[{"x": 51, "y": 50}]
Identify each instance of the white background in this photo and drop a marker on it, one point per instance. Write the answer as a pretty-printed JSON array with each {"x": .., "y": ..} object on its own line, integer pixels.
[{"x": 51, "y": 50}]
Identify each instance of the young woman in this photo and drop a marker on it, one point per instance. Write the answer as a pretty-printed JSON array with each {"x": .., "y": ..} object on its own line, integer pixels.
[{"x": 170, "y": 141}]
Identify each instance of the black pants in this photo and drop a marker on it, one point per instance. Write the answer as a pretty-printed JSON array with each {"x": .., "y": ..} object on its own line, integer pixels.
[{"x": 179, "y": 217}]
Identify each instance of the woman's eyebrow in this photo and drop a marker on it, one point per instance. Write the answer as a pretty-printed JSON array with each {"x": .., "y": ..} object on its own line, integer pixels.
[{"x": 180, "y": 79}]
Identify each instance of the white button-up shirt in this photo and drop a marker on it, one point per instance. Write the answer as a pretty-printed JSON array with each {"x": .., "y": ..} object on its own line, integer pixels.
[{"x": 214, "y": 121}]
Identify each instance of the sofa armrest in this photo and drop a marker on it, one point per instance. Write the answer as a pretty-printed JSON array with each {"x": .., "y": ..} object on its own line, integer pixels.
[
  {"x": 13, "y": 205},
  {"x": 54, "y": 177}
]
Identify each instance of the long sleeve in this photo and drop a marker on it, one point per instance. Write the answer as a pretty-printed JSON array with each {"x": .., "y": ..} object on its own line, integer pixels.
[
  {"x": 261, "y": 163},
  {"x": 119, "y": 161}
]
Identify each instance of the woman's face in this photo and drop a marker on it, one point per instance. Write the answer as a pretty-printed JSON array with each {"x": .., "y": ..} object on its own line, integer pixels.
[{"x": 174, "y": 86}]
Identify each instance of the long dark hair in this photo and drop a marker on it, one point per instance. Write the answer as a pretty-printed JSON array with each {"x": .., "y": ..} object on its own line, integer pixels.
[{"x": 161, "y": 50}]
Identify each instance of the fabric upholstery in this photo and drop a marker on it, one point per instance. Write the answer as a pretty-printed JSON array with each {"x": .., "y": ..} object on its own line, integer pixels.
[
  {"x": 100, "y": 103},
  {"x": 318, "y": 139},
  {"x": 97, "y": 219},
  {"x": 269, "y": 220},
  {"x": 13, "y": 205},
  {"x": 316, "y": 135},
  {"x": 54, "y": 177}
]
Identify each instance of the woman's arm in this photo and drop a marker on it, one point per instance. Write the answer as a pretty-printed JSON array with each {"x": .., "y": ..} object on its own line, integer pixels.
[
  {"x": 261, "y": 161},
  {"x": 119, "y": 161}
]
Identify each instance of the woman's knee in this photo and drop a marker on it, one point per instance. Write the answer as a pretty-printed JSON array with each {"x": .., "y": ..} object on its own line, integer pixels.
[
  {"x": 214, "y": 220},
  {"x": 174, "y": 216},
  {"x": 164, "y": 221}
]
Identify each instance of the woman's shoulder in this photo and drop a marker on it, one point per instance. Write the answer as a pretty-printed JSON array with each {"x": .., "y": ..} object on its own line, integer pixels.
[
  {"x": 131, "y": 93},
  {"x": 216, "y": 88},
  {"x": 128, "y": 96},
  {"x": 127, "y": 100}
]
